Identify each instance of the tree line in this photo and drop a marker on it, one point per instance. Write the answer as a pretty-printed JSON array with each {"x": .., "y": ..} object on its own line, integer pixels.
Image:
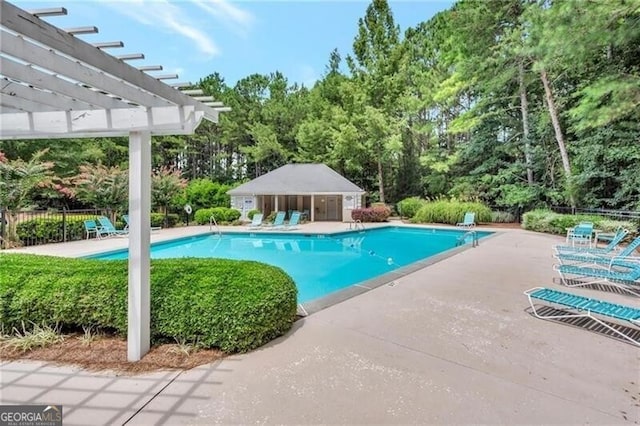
[{"x": 515, "y": 103}]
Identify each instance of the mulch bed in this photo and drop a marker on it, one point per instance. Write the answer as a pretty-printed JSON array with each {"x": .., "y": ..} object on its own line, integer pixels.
[{"x": 110, "y": 353}]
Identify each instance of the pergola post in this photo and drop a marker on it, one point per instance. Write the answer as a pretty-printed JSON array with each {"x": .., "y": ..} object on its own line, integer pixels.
[{"x": 139, "y": 326}]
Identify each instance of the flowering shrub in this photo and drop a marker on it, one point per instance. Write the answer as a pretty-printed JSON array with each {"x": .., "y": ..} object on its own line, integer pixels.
[{"x": 378, "y": 213}]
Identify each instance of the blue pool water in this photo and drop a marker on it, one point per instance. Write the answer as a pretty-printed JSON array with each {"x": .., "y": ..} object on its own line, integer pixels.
[{"x": 319, "y": 264}]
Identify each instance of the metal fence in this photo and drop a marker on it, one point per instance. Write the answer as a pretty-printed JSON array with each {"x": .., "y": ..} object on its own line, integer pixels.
[
  {"x": 44, "y": 226},
  {"x": 613, "y": 214}
]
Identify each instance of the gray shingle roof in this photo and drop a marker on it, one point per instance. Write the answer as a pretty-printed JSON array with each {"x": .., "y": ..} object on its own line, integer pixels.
[{"x": 298, "y": 179}]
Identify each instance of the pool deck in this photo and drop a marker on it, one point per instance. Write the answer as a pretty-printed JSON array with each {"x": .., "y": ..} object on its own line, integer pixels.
[{"x": 451, "y": 343}]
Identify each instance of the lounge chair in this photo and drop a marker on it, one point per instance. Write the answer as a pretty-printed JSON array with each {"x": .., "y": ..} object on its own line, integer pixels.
[
  {"x": 108, "y": 228},
  {"x": 469, "y": 220},
  {"x": 278, "y": 221},
  {"x": 92, "y": 228},
  {"x": 598, "y": 258},
  {"x": 293, "y": 222},
  {"x": 622, "y": 272},
  {"x": 585, "y": 307},
  {"x": 610, "y": 248},
  {"x": 256, "y": 222}
]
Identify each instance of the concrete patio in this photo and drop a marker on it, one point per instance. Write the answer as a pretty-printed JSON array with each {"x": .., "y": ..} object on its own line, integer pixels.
[{"x": 451, "y": 343}]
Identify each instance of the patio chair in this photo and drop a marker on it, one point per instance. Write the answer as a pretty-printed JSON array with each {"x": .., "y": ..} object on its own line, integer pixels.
[
  {"x": 598, "y": 258},
  {"x": 278, "y": 221},
  {"x": 92, "y": 228},
  {"x": 256, "y": 222},
  {"x": 580, "y": 235},
  {"x": 622, "y": 272},
  {"x": 469, "y": 220},
  {"x": 579, "y": 307},
  {"x": 610, "y": 248},
  {"x": 293, "y": 222},
  {"x": 108, "y": 229}
]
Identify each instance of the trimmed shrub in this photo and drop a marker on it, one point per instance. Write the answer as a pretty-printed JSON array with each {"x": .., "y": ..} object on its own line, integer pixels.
[
  {"x": 451, "y": 212},
  {"x": 222, "y": 215},
  {"x": 542, "y": 220},
  {"x": 228, "y": 304},
  {"x": 377, "y": 213},
  {"x": 410, "y": 206},
  {"x": 50, "y": 229},
  {"x": 157, "y": 219}
]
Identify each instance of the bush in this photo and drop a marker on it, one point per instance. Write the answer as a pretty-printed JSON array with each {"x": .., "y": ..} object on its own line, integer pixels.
[
  {"x": 232, "y": 305},
  {"x": 222, "y": 215},
  {"x": 451, "y": 212},
  {"x": 377, "y": 213},
  {"x": 204, "y": 193},
  {"x": 410, "y": 206},
  {"x": 555, "y": 223},
  {"x": 50, "y": 229},
  {"x": 157, "y": 219},
  {"x": 502, "y": 217}
]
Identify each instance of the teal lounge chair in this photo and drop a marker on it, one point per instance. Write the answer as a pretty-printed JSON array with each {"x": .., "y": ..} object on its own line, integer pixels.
[
  {"x": 108, "y": 228},
  {"x": 609, "y": 249},
  {"x": 599, "y": 258},
  {"x": 293, "y": 222},
  {"x": 469, "y": 220},
  {"x": 278, "y": 221},
  {"x": 622, "y": 272},
  {"x": 579, "y": 307},
  {"x": 92, "y": 228},
  {"x": 256, "y": 222}
]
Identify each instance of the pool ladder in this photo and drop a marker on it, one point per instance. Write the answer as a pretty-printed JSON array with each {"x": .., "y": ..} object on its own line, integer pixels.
[
  {"x": 356, "y": 224},
  {"x": 212, "y": 223},
  {"x": 463, "y": 238}
]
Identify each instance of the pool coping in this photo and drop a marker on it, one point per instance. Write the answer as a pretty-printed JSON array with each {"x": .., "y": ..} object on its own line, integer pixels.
[{"x": 389, "y": 278}]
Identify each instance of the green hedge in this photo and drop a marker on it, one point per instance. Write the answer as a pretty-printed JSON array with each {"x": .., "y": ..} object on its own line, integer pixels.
[
  {"x": 556, "y": 223},
  {"x": 50, "y": 229},
  {"x": 410, "y": 206},
  {"x": 222, "y": 215},
  {"x": 232, "y": 305},
  {"x": 451, "y": 212}
]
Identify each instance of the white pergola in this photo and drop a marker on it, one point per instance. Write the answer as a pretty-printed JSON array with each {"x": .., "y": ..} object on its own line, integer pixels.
[{"x": 54, "y": 85}]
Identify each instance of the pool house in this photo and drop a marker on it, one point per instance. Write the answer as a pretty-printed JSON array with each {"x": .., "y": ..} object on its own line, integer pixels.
[{"x": 316, "y": 190}]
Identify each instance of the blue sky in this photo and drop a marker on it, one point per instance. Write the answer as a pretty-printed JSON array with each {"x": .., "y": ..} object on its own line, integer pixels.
[{"x": 195, "y": 38}]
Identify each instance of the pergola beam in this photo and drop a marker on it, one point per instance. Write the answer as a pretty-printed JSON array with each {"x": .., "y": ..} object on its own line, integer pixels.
[
  {"x": 117, "y": 122},
  {"x": 50, "y": 99},
  {"x": 21, "y": 22},
  {"x": 47, "y": 59},
  {"x": 43, "y": 80}
]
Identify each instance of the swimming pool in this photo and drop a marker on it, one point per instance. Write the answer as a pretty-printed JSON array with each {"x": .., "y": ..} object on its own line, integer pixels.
[{"x": 319, "y": 264}]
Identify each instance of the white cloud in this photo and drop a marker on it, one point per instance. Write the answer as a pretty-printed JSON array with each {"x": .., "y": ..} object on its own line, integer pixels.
[
  {"x": 169, "y": 17},
  {"x": 227, "y": 13}
]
